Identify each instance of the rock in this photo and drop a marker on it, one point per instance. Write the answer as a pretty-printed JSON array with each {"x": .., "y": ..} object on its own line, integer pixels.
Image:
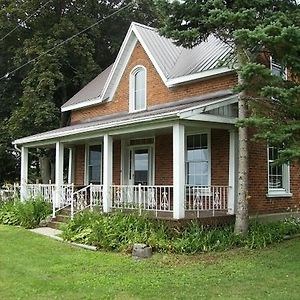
[
  {"x": 141, "y": 251},
  {"x": 45, "y": 222}
]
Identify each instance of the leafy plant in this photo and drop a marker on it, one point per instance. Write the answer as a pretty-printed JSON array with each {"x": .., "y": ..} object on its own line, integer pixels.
[
  {"x": 119, "y": 231},
  {"x": 27, "y": 214}
]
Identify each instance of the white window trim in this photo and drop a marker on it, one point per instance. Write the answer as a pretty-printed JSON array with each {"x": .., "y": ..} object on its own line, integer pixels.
[
  {"x": 131, "y": 89},
  {"x": 280, "y": 192},
  {"x": 86, "y": 169},
  {"x": 208, "y": 132},
  {"x": 285, "y": 75}
]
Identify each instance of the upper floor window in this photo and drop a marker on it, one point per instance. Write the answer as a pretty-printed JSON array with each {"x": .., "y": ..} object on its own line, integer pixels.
[
  {"x": 277, "y": 69},
  {"x": 278, "y": 175},
  {"x": 137, "y": 87}
]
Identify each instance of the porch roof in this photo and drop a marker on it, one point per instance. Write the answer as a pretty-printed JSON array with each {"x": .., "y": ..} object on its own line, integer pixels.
[{"x": 165, "y": 112}]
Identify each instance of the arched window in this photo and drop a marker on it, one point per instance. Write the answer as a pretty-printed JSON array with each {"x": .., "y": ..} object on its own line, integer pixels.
[{"x": 138, "y": 89}]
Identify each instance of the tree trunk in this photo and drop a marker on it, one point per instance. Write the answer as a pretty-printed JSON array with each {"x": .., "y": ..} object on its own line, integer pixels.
[{"x": 242, "y": 217}]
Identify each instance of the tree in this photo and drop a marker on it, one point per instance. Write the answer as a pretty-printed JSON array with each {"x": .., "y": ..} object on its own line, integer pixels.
[
  {"x": 249, "y": 27},
  {"x": 32, "y": 96}
]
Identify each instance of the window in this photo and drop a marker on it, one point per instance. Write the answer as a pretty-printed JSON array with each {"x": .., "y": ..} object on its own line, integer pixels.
[
  {"x": 138, "y": 89},
  {"x": 94, "y": 164},
  {"x": 197, "y": 160},
  {"x": 278, "y": 175},
  {"x": 277, "y": 69}
]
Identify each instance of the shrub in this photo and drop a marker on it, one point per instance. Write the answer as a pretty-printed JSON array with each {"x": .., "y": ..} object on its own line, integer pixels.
[
  {"x": 120, "y": 231},
  {"x": 27, "y": 214}
]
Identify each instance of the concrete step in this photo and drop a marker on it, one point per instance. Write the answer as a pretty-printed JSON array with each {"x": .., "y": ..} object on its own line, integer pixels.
[
  {"x": 55, "y": 224},
  {"x": 62, "y": 218}
]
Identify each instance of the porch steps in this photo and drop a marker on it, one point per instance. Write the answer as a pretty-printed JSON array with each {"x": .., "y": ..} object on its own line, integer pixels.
[{"x": 62, "y": 218}]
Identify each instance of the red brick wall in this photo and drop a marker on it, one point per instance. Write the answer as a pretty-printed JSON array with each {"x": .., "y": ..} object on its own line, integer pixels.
[
  {"x": 219, "y": 157},
  {"x": 157, "y": 92},
  {"x": 258, "y": 184},
  {"x": 117, "y": 162},
  {"x": 79, "y": 164},
  {"x": 164, "y": 160}
]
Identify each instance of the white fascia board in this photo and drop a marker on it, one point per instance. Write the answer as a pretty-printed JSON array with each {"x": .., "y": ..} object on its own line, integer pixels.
[
  {"x": 118, "y": 59},
  {"x": 154, "y": 62},
  {"x": 107, "y": 126},
  {"x": 211, "y": 118},
  {"x": 86, "y": 103},
  {"x": 201, "y": 108},
  {"x": 198, "y": 76}
]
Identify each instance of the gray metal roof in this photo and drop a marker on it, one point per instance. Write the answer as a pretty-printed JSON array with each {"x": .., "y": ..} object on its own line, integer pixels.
[
  {"x": 92, "y": 90},
  {"x": 176, "y": 61},
  {"x": 119, "y": 119}
]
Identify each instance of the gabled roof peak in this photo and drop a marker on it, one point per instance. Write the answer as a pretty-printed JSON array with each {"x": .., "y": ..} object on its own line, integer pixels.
[{"x": 175, "y": 64}]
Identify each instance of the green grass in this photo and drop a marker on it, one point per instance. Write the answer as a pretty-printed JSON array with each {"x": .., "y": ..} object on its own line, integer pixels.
[{"x": 36, "y": 267}]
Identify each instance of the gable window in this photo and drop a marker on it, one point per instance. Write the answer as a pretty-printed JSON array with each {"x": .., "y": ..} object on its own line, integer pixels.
[
  {"x": 278, "y": 175},
  {"x": 137, "y": 89},
  {"x": 94, "y": 164},
  {"x": 197, "y": 160}
]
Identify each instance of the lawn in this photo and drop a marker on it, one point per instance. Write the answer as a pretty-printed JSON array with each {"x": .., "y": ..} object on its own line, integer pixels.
[{"x": 36, "y": 267}]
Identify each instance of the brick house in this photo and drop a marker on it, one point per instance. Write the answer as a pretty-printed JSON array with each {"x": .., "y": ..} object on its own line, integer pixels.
[{"x": 156, "y": 131}]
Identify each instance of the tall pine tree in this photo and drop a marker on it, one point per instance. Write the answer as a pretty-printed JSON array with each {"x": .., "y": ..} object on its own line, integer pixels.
[{"x": 253, "y": 29}]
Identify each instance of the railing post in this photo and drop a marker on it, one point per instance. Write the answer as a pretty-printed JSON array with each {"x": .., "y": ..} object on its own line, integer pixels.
[
  {"x": 140, "y": 198},
  {"x": 72, "y": 202},
  {"x": 91, "y": 197}
]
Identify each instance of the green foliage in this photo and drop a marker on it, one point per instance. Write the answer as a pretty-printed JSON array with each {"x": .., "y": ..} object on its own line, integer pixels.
[
  {"x": 27, "y": 214},
  {"x": 120, "y": 231},
  {"x": 32, "y": 96}
]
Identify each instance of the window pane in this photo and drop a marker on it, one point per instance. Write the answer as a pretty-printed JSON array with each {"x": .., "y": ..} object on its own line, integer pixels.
[
  {"x": 197, "y": 160},
  {"x": 139, "y": 90},
  {"x": 275, "y": 171},
  {"x": 94, "y": 164}
]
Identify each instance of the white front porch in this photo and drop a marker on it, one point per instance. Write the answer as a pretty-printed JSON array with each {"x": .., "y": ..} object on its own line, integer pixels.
[{"x": 174, "y": 163}]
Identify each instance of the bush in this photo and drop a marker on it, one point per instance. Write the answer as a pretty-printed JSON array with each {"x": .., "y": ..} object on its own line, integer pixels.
[
  {"x": 116, "y": 231},
  {"x": 120, "y": 231},
  {"x": 27, "y": 214}
]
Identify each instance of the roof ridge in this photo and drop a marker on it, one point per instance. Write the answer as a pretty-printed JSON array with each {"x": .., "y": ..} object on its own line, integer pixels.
[{"x": 144, "y": 26}]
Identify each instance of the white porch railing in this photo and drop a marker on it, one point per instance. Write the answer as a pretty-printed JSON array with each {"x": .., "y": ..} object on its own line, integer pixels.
[
  {"x": 153, "y": 198},
  {"x": 142, "y": 197},
  {"x": 62, "y": 198},
  {"x": 206, "y": 198},
  {"x": 9, "y": 191},
  {"x": 41, "y": 190},
  {"x": 87, "y": 197}
]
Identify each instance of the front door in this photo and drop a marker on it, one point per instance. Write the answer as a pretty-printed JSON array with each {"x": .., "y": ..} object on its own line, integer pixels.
[{"x": 140, "y": 166}]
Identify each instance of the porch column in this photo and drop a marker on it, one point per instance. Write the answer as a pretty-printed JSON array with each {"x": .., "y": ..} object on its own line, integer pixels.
[
  {"x": 178, "y": 171},
  {"x": 70, "y": 167},
  {"x": 107, "y": 171},
  {"x": 59, "y": 173},
  {"x": 232, "y": 170},
  {"x": 24, "y": 173}
]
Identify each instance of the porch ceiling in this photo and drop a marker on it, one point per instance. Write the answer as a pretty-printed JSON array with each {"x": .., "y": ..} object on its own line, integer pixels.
[{"x": 155, "y": 117}]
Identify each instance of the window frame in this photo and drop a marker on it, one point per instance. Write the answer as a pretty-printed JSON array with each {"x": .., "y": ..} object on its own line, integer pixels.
[
  {"x": 208, "y": 133},
  {"x": 285, "y": 190},
  {"x": 273, "y": 63},
  {"x": 87, "y": 165},
  {"x": 132, "y": 99}
]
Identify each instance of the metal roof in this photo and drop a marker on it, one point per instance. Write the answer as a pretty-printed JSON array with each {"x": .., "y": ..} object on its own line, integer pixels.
[
  {"x": 161, "y": 111},
  {"x": 92, "y": 90},
  {"x": 176, "y": 61}
]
